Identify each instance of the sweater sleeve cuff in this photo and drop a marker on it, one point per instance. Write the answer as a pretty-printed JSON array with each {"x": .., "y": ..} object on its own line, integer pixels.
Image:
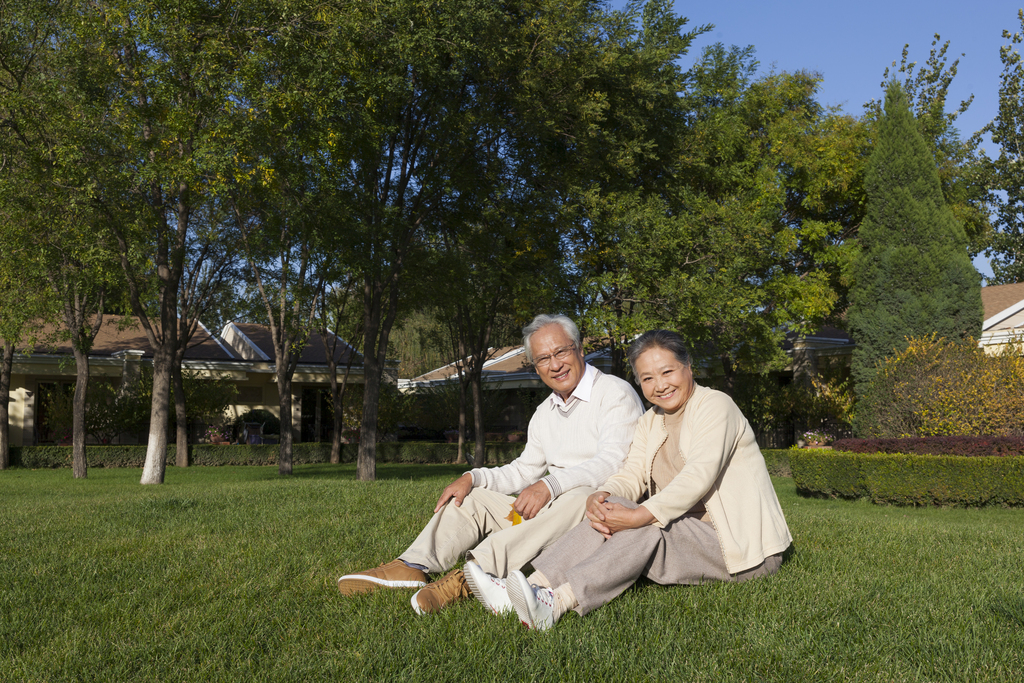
[
  {"x": 553, "y": 486},
  {"x": 478, "y": 479}
]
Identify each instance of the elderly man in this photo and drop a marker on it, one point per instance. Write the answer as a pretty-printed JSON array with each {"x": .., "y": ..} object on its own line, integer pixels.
[{"x": 577, "y": 438}]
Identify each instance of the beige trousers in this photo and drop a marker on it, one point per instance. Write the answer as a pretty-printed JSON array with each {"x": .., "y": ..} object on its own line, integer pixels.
[{"x": 479, "y": 529}]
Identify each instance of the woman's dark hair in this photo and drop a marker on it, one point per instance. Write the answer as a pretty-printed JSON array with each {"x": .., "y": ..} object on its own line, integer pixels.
[{"x": 658, "y": 339}]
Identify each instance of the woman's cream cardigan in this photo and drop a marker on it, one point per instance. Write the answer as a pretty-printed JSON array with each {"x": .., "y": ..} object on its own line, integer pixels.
[{"x": 723, "y": 467}]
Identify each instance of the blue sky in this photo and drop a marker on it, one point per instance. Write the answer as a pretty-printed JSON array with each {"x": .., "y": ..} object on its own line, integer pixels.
[{"x": 850, "y": 44}]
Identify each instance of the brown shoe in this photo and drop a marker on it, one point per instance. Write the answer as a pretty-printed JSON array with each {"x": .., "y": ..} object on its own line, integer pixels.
[
  {"x": 438, "y": 595},
  {"x": 394, "y": 574}
]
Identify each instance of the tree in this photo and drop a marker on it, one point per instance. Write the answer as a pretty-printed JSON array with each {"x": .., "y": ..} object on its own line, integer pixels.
[
  {"x": 627, "y": 162},
  {"x": 168, "y": 94},
  {"x": 337, "y": 300},
  {"x": 46, "y": 128},
  {"x": 913, "y": 276},
  {"x": 207, "y": 286},
  {"x": 281, "y": 216},
  {"x": 287, "y": 275},
  {"x": 23, "y": 303},
  {"x": 727, "y": 244},
  {"x": 1007, "y": 250},
  {"x": 962, "y": 168},
  {"x": 414, "y": 91},
  {"x": 496, "y": 258}
]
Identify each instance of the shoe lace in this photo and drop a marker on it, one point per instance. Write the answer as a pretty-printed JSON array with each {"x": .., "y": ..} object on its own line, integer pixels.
[
  {"x": 452, "y": 586},
  {"x": 544, "y": 595}
]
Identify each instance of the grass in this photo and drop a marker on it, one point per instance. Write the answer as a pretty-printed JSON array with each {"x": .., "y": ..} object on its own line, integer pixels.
[{"x": 229, "y": 574}]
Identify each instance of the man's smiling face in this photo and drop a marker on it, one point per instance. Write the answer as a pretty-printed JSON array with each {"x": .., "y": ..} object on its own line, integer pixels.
[{"x": 560, "y": 375}]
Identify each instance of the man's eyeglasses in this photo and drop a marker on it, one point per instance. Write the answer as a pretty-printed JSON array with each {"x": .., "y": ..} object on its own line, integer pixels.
[{"x": 560, "y": 354}]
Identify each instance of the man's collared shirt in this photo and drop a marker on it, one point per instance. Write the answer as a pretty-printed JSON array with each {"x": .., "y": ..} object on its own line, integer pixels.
[{"x": 581, "y": 392}]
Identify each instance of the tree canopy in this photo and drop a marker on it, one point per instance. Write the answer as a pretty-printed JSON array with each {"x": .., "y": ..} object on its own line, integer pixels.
[{"x": 483, "y": 161}]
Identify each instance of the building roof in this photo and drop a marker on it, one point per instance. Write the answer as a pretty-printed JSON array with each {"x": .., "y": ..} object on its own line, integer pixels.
[
  {"x": 826, "y": 337},
  {"x": 254, "y": 342},
  {"x": 1004, "y": 307},
  {"x": 506, "y": 366},
  {"x": 124, "y": 333},
  {"x": 501, "y": 360}
]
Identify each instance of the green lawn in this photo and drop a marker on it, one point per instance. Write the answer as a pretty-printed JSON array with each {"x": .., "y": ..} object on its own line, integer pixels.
[{"x": 229, "y": 574}]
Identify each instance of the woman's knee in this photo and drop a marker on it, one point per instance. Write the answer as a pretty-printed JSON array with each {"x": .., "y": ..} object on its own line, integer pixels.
[{"x": 624, "y": 502}]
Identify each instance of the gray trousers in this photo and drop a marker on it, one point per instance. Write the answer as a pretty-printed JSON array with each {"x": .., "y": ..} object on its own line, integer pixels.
[{"x": 686, "y": 551}]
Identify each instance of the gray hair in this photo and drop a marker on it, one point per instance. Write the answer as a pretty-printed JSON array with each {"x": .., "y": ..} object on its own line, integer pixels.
[
  {"x": 658, "y": 339},
  {"x": 543, "y": 320}
]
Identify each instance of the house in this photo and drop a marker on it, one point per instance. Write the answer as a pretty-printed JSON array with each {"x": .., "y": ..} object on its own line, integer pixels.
[
  {"x": 312, "y": 417},
  {"x": 510, "y": 381},
  {"x": 1004, "y": 315},
  {"x": 242, "y": 354}
]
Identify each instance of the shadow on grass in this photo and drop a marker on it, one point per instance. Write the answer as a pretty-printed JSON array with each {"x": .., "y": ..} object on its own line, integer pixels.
[
  {"x": 385, "y": 471},
  {"x": 1010, "y": 608}
]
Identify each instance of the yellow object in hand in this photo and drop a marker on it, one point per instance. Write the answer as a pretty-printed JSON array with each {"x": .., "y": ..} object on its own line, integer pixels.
[{"x": 514, "y": 516}]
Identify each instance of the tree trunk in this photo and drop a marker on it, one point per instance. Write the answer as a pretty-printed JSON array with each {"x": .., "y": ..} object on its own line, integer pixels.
[
  {"x": 366, "y": 461},
  {"x": 284, "y": 449},
  {"x": 79, "y": 466},
  {"x": 338, "y": 399},
  {"x": 729, "y": 378},
  {"x": 5, "y": 396},
  {"x": 478, "y": 417},
  {"x": 156, "y": 450},
  {"x": 339, "y": 426},
  {"x": 618, "y": 360},
  {"x": 181, "y": 418},
  {"x": 463, "y": 455}
]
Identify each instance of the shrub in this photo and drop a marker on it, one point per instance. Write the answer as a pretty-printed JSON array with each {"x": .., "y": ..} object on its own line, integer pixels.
[
  {"x": 965, "y": 446},
  {"x": 777, "y": 462},
  {"x": 209, "y": 455},
  {"x": 936, "y": 387},
  {"x": 910, "y": 479},
  {"x": 824, "y": 404}
]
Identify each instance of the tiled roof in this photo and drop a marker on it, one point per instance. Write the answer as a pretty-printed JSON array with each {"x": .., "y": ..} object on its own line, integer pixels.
[
  {"x": 999, "y": 298},
  {"x": 502, "y": 360},
  {"x": 314, "y": 353},
  {"x": 120, "y": 333},
  {"x": 826, "y": 336}
]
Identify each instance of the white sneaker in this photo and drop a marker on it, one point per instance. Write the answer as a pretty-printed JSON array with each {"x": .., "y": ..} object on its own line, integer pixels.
[
  {"x": 534, "y": 605},
  {"x": 488, "y": 589}
]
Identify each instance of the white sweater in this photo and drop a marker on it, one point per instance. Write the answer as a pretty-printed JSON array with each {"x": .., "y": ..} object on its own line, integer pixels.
[{"x": 582, "y": 445}]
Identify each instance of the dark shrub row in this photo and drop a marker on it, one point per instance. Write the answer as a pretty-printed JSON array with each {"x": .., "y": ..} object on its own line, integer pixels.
[
  {"x": 910, "y": 479},
  {"x": 37, "y": 457},
  {"x": 967, "y": 446}
]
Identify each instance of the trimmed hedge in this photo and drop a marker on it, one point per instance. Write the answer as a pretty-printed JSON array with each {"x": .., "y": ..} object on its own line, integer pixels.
[
  {"x": 38, "y": 457},
  {"x": 777, "y": 462},
  {"x": 967, "y": 446},
  {"x": 910, "y": 479},
  {"x": 497, "y": 453}
]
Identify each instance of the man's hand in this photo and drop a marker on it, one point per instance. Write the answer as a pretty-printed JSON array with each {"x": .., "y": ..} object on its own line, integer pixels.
[
  {"x": 610, "y": 518},
  {"x": 458, "y": 490},
  {"x": 532, "y": 500}
]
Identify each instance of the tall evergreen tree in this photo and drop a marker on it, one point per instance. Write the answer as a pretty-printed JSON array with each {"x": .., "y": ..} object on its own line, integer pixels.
[
  {"x": 1007, "y": 249},
  {"x": 913, "y": 275}
]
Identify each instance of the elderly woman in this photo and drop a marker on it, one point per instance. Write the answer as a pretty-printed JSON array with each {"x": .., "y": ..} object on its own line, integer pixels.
[{"x": 710, "y": 512}]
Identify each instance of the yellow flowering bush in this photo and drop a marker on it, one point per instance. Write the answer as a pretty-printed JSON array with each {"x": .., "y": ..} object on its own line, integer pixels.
[{"x": 936, "y": 387}]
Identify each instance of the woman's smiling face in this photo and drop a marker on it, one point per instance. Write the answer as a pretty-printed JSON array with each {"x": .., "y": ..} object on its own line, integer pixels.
[{"x": 665, "y": 381}]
